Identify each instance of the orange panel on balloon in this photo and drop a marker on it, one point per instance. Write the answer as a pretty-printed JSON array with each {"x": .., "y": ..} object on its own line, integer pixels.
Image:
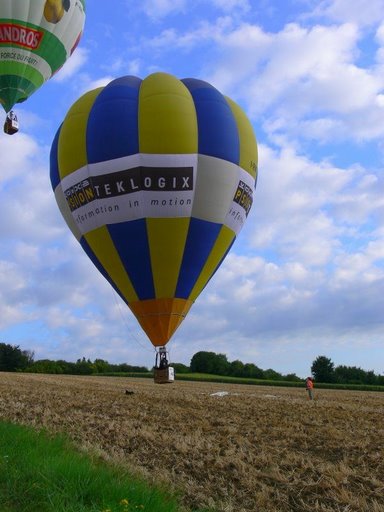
[{"x": 160, "y": 318}]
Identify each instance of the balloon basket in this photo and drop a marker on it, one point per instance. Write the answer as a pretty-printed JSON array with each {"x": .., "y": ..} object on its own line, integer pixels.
[
  {"x": 164, "y": 375},
  {"x": 11, "y": 124},
  {"x": 162, "y": 372}
]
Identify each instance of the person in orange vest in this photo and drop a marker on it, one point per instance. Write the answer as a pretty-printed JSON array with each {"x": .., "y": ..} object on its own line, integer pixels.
[{"x": 309, "y": 387}]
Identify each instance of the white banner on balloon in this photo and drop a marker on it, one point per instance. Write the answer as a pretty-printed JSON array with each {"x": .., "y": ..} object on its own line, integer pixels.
[
  {"x": 21, "y": 56},
  {"x": 158, "y": 186},
  {"x": 130, "y": 188}
]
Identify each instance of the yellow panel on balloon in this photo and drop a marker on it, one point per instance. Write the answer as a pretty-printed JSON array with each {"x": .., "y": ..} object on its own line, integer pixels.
[
  {"x": 166, "y": 239},
  {"x": 248, "y": 146},
  {"x": 167, "y": 116},
  {"x": 72, "y": 149}
]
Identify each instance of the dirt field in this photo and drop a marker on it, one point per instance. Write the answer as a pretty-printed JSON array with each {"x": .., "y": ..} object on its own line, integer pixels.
[{"x": 255, "y": 449}]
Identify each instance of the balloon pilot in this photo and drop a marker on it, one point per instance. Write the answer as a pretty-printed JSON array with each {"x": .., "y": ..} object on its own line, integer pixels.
[
  {"x": 163, "y": 373},
  {"x": 11, "y": 124}
]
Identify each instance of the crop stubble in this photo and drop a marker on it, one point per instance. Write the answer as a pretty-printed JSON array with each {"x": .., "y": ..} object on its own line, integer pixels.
[{"x": 256, "y": 449}]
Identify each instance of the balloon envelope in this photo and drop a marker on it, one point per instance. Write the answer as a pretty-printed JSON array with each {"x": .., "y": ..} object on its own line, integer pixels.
[
  {"x": 155, "y": 179},
  {"x": 36, "y": 38}
]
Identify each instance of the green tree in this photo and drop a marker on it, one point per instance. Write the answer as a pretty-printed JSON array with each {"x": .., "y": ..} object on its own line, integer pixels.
[
  {"x": 354, "y": 375},
  {"x": 12, "y": 358},
  {"x": 272, "y": 375},
  {"x": 127, "y": 368},
  {"x": 180, "y": 368},
  {"x": 83, "y": 367},
  {"x": 101, "y": 366},
  {"x": 45, "y": 366},
  {"x": 252, "y": 371},
  {"x": 209, "y": 362},
  {"x": 323, "y": 369},
  {"x": 236, "y": 368},
  {"x": 292, "y": 377},
  {"x": 370, "y": 377}
]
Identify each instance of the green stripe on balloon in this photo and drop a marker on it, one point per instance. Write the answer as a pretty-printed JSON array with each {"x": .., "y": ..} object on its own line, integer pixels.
[
  {"x": 17, "y": 87},
  {"x": 51, "y": 49}
]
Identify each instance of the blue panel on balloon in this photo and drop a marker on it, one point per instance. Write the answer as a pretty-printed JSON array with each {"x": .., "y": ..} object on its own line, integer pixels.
[
  {"x": 54, "y": 164},
  {"x": 201, "y": 238},
  {"x": 131, "y": 242},
  {"x": 91, "y": 255},
  {"x": 112, "y": 130},
  {"x": 218, "y": 134}
]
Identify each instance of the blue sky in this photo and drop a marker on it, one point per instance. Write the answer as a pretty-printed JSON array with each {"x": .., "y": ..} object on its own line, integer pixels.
[{"x": 306, "y": 275}]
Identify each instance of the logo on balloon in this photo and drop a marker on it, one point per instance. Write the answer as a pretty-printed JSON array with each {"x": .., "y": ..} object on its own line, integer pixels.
[
  {"x": 138, "y": 179},
  {"x": 21, "y": 36},
  {"x": 244, "y": 196}
]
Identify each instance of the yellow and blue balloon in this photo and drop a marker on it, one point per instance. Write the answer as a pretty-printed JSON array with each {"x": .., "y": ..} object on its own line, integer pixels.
[{"x": 155, "y": 179}]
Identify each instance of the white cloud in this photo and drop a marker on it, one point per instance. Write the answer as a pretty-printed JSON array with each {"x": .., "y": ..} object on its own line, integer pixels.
[
  {"x": 304, "y": 82},
  {"x": 288, "y": 214},
  {"x": 356, "y": 11},
  {"x": 16, "y": 153},
  {"x": 230, "y": 5},
  {"x": 380, "y": 34},
  {"x": 121, "y": 66},
  {"x": 205, "y": 32},
  {"x": 361, "y": 268},
  {"x": 100, "y": 82},
  {"x": 159, "y": 8},
  {"x": 26, "y": 200},
  {"x": 306, "y": 79},
  {"x": 116, "y": 66},
  {"x": 134, "y": 67},
  {"x": 73, "y": 65}
]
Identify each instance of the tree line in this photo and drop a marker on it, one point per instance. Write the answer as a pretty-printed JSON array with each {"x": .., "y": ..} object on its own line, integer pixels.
[
  {"x": 218, "y": 364},
  {"x": 324, "y": 370},
  {"x": 13, "y": 358}
]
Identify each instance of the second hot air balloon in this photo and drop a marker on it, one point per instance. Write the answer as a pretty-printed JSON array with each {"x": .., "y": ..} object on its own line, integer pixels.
[
  {"x": 155, "y": 178},
  {"x": 36, "y": 38}
]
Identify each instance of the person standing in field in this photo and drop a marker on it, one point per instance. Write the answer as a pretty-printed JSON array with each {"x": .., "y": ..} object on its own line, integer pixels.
[{"x": 309, "y": 387}]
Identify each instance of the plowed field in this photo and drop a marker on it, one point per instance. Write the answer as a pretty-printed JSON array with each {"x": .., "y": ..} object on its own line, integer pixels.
[{"x": 229, "y": 447}]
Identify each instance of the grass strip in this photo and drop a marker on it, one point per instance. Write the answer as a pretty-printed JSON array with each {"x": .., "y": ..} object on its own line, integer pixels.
[
  {"x": 226, "y": 379},
  {"x": 41, "y": 473}
]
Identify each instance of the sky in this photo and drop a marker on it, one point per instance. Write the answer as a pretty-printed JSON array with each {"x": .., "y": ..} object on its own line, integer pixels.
[{"x": 306, "y": 275}]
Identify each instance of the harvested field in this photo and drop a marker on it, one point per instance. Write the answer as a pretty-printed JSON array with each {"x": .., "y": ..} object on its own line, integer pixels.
[{"x": 255, "y": 449}]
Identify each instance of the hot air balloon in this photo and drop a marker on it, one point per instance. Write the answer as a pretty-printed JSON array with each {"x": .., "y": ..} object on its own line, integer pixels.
[
  {"x": 36, "y": 38},
  {"x": 155, "y": 179}
]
